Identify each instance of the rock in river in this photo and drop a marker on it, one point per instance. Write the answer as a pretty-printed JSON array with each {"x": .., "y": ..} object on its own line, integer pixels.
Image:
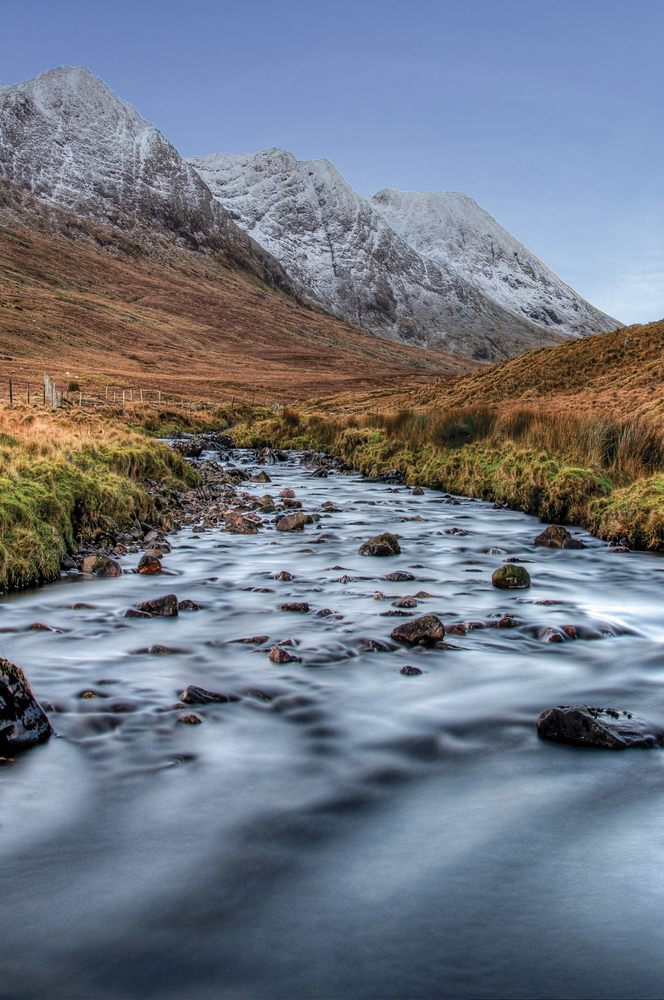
[
  {"x": 581, "y": 725},
  {"x": 199, "y": 696},
  {"x": 149, "y": 565},
  {"x": 166, "y": 606},
  {"x": 511, "y": 577},
  {"x": 399, "y": 575},
  {"x": 101, "y": 566},
  {"x": 409, "y": 671},
  {"x": 22, "y": 720},
  {"x": 300, "y": 608},
  {"x": 280, "y": 655},
  {"x": 424, "y": 631},
  {"x": 557, "y": 537},
  {"x": 291, "y": 522},
  {"x": 381, "y": 545}
]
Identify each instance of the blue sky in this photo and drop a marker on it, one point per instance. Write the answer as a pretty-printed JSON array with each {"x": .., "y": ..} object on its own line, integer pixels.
[{"x": 548, "y": 114}]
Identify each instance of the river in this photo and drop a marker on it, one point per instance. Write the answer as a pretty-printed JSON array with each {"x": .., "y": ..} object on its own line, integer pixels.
[{"x": 341, "y": 830}]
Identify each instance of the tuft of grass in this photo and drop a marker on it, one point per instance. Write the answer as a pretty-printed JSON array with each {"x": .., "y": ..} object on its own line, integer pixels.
[{"x": 63, "y": 476}]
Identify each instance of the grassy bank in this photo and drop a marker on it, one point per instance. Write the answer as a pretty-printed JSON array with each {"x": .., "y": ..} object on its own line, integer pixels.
[
  {"x": 604, "y": 473},
  {"x": 64, "y": 475}
]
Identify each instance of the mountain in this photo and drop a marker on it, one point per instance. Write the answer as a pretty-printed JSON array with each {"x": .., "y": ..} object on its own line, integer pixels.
[
  {"x": 67, "y": 140},
  {"x": 428, "y": 269}
]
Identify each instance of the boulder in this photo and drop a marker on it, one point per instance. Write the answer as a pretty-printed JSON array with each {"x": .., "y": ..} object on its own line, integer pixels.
[
  {"x": 408, "y": 671},
  {"x": 288, "y": 502},
  {"x": 280, "y": 655},
  {"x": 506, "y": 622},
  {"x": 287, "y": 493},
  {"x": 101, "y": 566},
  {"x": 292, "y": 522},
  {"x": 381, "y": 545},
  {"x": 319, "y": 473},
  {"x": 581, "y": 725},
  {"x": 405, "y": 602},
  {"x": 149, "y": 565},
  {"x": 301, "y": 608},
  {"x": 417, "y": 492},
  {"x": 193, "y": 695},
  {"x": 188, "y": 605},
  {"x": 189, "y": 720},
  {"x": 424, "y": 631},
  {"x": 166, "y": 606},
  {"x": 23, "y": 722},
  {"x": 255, "y": 640},
  {"x": 284, "y": 575},
  {"x": 135, "y": 613},
  {"x": 511, "y": 577},
  {"x": 557, "y": 537},
  {"x": 237, "y": 524},
  {"x": 399, "y": 576},
  {"x": 261, "y": 477}
]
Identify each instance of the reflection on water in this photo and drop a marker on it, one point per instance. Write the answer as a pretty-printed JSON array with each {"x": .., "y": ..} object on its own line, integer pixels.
[{"x": 341, "y": 830}]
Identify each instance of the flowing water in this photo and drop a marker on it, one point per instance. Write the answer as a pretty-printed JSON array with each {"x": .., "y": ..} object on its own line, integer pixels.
[{"x": 341, "y": 830}]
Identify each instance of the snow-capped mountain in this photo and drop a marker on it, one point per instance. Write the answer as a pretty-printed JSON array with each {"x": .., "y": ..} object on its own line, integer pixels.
[
  {"x": 431, "y": 269},
  {"x": 68, "y": 141}
]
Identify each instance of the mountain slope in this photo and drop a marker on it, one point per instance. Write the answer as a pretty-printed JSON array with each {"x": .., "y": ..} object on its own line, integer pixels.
[
  {"x": 66, "y": 140},
  {"x": 365, "y": 259}
]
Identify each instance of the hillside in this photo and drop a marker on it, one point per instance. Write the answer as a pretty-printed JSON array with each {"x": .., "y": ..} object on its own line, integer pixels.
[{"x": 83, "y": 298}]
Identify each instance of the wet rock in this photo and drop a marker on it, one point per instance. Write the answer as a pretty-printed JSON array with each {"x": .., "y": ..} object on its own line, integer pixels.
[
  {"x": 446, "y": 645},
  {"x": 166, "y": 606},
  {"x": 399, "y": 576},
  {"x": 101, "y": 566},
  {"x": 345, "y": 578},
  {"x": 86, "y": 695},
  {"x": 424, "y": 631},
  {"x": 292, "y": 503},
  {"x": 551, "y": 635},
  {"x": 495, "y": 550},
  {"x": 418, "y": 492},
  {"x": 373, "y": 646},
  {"x": 261, "y": 477},
  {"x": 409, "y": 671},
  {"x": 396, "y": 614},
  {"x": 188, "y": 449},
  {"x": 619, "y": 548},
  {"x": 237, "y": 524},
  {"x": 300, "y": 608},
  {"x": 511, "y": 577},
  {"x": 193, "y": 695},
  {"x": 66, "y": 562},
  {"x": 287, "y": 493},
  {"x": 381, "y": 545},
  {"x": 379, "y": 596},
  {"x": 153, "y": 537},
  {"x": 135, "y": 613},
  {"x": 582, "y": 725},
  {"x": 157, "y": 549},
  {"x": 280, "y": 655},
  {"x": 292, "y": 522},
  {"x": 79, "y": 606},
  {"x": 459, "y": 628},
  {"x": 39, "y": 627},
  {"x": 506, "y": 622},
  {"x": 158, "y": 650},
  {"x": 255, "y": 640},
  {"x": 149, "y": 565},
  {"x": 405, "y": 602},
  {"x": 284, "y": 575},
  {"x": 23, "y": 722},
  {"x": 557, "y": 537},
  {"x": 571, "y": 631},
  {"x": 188, "y": 605},
  {"x": 422, "y": 595},
  {"x": 189, "y": 720},
  {"x": 319, "y": 474}
]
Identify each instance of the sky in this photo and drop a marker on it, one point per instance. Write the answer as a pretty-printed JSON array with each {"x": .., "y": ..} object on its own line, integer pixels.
[{"x": 548, "y": 114}]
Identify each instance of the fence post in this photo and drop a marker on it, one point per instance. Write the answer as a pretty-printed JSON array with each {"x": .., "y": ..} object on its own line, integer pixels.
[
  {"x": 28, "y": 394},
  {"x": 141, "y": 391},
  {"x": 10, "y": 392},
  {"x": 107, "y": 394},
  {"x": 159, "y": 396},
  {"x": 123, "y": 399},
  {"x": 80, "y": 398},
  {"x": 131, "y": 395}
]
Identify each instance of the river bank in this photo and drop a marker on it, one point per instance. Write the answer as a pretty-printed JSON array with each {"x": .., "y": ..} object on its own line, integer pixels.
[{"x": 601, "y": 472}]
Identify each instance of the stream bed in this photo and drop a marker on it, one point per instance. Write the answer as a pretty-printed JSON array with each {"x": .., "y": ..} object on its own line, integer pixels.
[{"x": 341, "y": 830}]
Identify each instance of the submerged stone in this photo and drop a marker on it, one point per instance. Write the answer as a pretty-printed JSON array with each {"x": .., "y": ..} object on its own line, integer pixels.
[
  {"x": 23, "y": 722},
  {"x": 193, "y": 695},
  {"x": 582, "y": 725},
  {"x": 557, "y": 537},
  {"x": 381, "y": 545},
  {"x": 166, "y": 606},
  {"x": 424, "y": 631}
]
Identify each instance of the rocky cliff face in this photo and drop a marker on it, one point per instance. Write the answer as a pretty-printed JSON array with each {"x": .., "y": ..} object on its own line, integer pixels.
[
  {"x": 430, "y": 269},
  {"x": 67, "y": 140}
]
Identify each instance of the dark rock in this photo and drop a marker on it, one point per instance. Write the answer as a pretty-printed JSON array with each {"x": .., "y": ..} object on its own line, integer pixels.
[
  {"x": 299, "y": 608},
  {"x": 261, "y": 477},
  {"x": 424, "y": 631},
  {"x": 324, "y": 613},
  {"x": 571, "y": 631},
  {"x": 422, "y": 595},
  {"x": 237, "y": 524},
  {"x": 319, "y": 474},
  {"x": 456, "y": 531},
  {"x": 557, "y": 537},
  {"x": 405, "y": 602},
  {"x": 288, "y": 502},
  {"x": 446, "y": 645},
  {"x": 158, "y": 650},
  {"x": 135, "y": 613},
  {"x": 189, "y": 449},
  {"x": 292, "y": 522},
  {"x": 280, "y": 655},
  {"x": 506, "y": 622},
  {"x": 188, "y": 605},
  {"x": 410, "y": 671},
  {"x": 284, "y": 575},
  {"x": 581, "y": 725},
  {"x": 199, "y": 696},
  {"x": 39, "y": 627},
  {"x": 399, "y": 576},
  {"x": 79, "y": 606},
  {"x": 153, "y": 537},
  {"x": 287, "y": 493},
  {"x": 255, "y": 640},
  {"x": 22, "y": 720},
  {"x": 417, "y": 492},
  {"x": 551, "y": 635},
  {"x": 457, "y": 629},
  {"x": 66, "y": 562},
  {"x": 381, "y": 545},
  {"x": 166, "y": 606},
  {"x": 511, "y": 577},
  {"x": 189, "y": 720},
  {"x": 149, "y": 565},
  {"x": 396, "y": 614}
]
